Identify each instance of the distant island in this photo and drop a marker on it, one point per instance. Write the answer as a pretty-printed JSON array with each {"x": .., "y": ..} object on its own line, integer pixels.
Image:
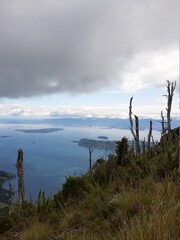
[
  {"x": 85, "y": 142},
  {"x": 4, "y": 136},
  {"x": 41, "y": 130},
  {"x": 4, "y": 194},
  {"x": 103, "y": 137}
]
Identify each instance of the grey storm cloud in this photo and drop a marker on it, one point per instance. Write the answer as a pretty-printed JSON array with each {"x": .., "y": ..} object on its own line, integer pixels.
[{"x": 78, "y": 46}]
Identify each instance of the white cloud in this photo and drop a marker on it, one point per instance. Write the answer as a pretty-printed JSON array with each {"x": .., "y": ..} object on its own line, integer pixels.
[
  {"x": 120, "y": 111},
  {"x": 83, "y": 46},
  {"x": 150, "y": 69}
]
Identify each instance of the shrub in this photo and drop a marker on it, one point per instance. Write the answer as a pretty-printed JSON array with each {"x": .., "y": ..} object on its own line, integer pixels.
[
  {"x": 105, "y": 171},
  {"x": 121, "y": 150},
  {"x": 74, "y": 188}
]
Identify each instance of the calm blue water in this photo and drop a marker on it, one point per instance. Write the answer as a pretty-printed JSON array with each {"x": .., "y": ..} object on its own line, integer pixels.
[{"x": 49, "y": 157}]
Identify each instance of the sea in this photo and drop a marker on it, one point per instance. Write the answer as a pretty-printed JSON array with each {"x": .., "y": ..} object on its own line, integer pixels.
[{"x": 51, "y": 157}]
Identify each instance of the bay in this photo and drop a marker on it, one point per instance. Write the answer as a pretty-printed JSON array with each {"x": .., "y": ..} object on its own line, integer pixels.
[{"x": 50, "y": 157}]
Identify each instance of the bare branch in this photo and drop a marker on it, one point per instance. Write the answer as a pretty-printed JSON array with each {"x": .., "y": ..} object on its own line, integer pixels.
[
  {"x": 149, "y": 135},
  {"x": 20, "y": 173},
  {"x": 90, "y": 157},
  {"x": 170, "y": 90},
  {"x": 136, "y": 132},
  {"x": 130, "y": 118}
]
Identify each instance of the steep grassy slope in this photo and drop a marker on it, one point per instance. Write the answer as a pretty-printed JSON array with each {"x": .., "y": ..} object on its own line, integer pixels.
[{"x": 136, "y": 200}]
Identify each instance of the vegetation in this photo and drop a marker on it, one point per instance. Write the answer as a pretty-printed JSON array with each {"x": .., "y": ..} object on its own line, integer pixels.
[
  {"x": 138, "y": 199},
  {"x": 90, "y": 143},
  {"x": 129, "y": 196}
]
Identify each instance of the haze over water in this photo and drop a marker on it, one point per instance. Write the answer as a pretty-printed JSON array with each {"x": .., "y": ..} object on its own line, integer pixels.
[{"x": 50, "y": 157}]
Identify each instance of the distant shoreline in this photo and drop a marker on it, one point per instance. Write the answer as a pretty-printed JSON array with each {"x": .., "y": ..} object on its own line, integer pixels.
[
  {"x": 41, "y": 130},
  {"x": 103, "y": 137},
  {"x": 85, "y": 142},
  {"x": 4, "y": 193}
]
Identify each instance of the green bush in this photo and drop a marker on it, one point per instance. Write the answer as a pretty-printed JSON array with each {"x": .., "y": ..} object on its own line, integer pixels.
[
  {"x": 122, "y": 150},
  {"x": 105, "y": 171},
  {"x": 74, "y": 188}
]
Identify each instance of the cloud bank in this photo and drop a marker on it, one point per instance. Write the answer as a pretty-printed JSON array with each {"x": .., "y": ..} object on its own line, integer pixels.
[
  {"x": 83, "y": 46},
  {"x": 120, "y": 111}
]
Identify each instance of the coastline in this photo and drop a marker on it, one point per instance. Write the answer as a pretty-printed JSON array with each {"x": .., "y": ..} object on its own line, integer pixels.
[{"x": 4, "y": 193}]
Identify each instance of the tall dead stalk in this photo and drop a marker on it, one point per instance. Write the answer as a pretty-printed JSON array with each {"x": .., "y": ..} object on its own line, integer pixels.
[
  {"x": 163, "y": 131},
  {"x": 20, "y": 174},
  {"x": 170, "y": 92},
  {"x": 11, "y": 197},
  {"x": 90, "y": 157},
  {"x": 149, "y": 135},
  {"x": 136, "y": 132},
  {"x": 166, "y": 126}
]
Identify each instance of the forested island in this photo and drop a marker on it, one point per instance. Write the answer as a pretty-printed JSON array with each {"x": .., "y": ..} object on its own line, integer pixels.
[
  {"x": 103, "y": 137},
  {"x": 41, "y": 130},
  {"x": 85, "y": 142}
]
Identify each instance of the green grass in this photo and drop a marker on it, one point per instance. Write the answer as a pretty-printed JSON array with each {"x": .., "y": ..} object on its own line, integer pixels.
[
  {"x": 138, "y": 200},
  {"x": 37, "y": 231}
]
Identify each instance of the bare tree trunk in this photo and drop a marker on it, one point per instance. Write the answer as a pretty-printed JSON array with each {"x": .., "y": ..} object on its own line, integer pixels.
[
  {"x": 153, "y": 143},
  {"x": 149, "y": 135},
  {"x": 20, "y": 173},
  {"x": 136, "y": 133},
  {"x": 170, "y": 90},
  {"x": 163, "y": 124},
  {"x": 132, "y": 147},
  {"x": 11, "y": 197},
  {"x": 130, "y": 119},
  {"x": 138, "y": 150},
  {"x": 90, "y": 158},
  {"x": 144, "y": 145}
]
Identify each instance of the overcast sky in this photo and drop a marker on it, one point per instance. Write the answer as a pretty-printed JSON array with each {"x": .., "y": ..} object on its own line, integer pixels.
[{"x": 87, "y": 57}]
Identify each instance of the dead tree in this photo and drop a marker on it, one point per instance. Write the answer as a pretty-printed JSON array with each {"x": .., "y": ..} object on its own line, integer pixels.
[
  {"x": 20, "y": 174},
  {"x": 132, "y": 147},
  {"x": 163, "y": 131},
  {"x": 11, "y": 197},
  {"x": 149, "y": 135},
  {"x": 144, "y": 145},
  {"x": 90, "y": 157},
  {"x": 136, "y": 132},
  {"x": 170, "y": 92}
]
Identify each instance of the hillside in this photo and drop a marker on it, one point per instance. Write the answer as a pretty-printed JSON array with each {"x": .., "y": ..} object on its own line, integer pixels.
[
  {"x": 137, "y": 199},
  {"x": 4, "y": 176}
]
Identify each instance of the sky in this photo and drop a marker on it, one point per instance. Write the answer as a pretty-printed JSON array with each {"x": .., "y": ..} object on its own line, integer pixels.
[{"x": 87, "y": 58}]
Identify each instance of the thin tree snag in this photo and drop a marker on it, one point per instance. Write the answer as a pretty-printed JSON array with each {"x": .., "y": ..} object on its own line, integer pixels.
[
  {"x": 163, "y": 124},
  {"x": 132, "y": 147},
  {"x": 136, "y": 133},
  {"x": 90, "y": 158},
  {"x": 153, "y": 141},
  {"x": 170, "y": 90},
  {"x": 11, "y": 197},
  {"x": 144, "y": 145},
  {"x": 20, "y": 173},
  {"x": 138, "y": 150},
  {"x": 130, "y": 119},
  {"x": 149, "y": 135},
  {"x": 137, "y": 126}
]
